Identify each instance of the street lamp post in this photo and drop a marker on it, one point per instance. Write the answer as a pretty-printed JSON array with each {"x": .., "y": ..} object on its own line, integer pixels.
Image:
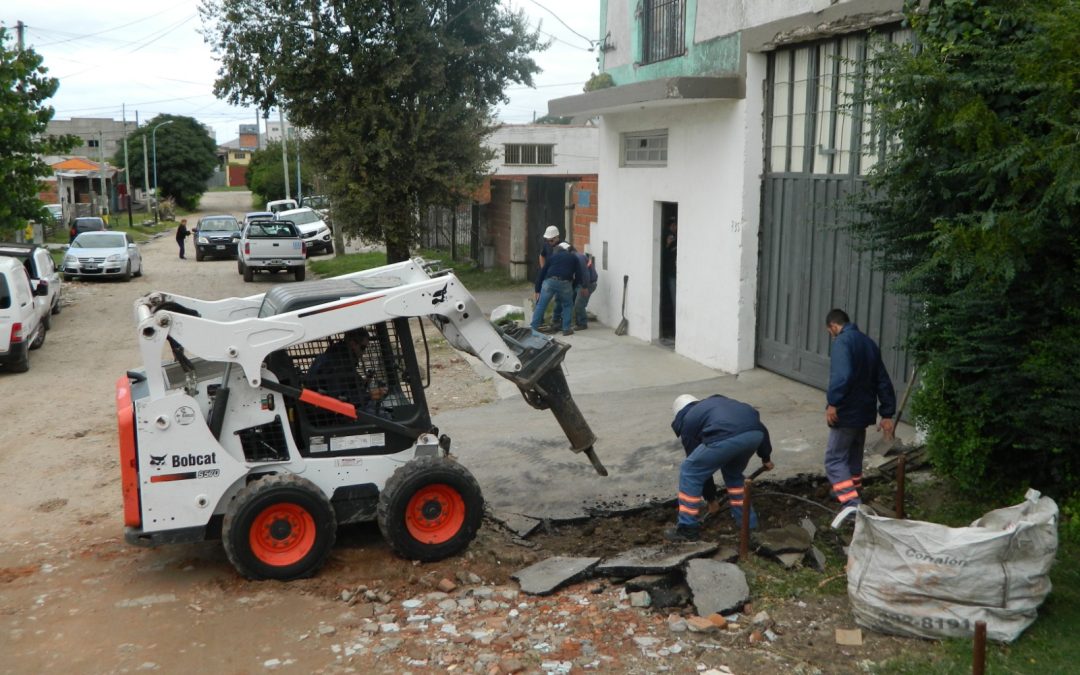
[{"x": 153, "y": 143}]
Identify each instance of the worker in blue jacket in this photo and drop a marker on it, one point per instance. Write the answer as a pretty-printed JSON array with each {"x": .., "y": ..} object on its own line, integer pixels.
[
  {"x": 719, "y": 434},
  {"x": 557, "y": 278},
  {"x": 858, "y": 383},
  {"x": 587, "y": 270}
]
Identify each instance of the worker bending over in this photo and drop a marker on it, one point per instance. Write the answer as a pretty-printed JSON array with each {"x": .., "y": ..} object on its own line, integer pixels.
[{"x": 720, "y": 434}]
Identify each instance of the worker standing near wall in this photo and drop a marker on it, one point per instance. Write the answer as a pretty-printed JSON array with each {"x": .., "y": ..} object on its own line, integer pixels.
[
  {"x": 720, "y": 434},
  {"x": 857, "y": 381},
  {"x": 557, "y": 280}
]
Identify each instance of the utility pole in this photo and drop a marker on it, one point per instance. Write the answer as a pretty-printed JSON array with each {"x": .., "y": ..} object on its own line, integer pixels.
[
  {"x": 299, "y": 185},
  {"x": 284, "y": 150},
  {"x": 127, "y": 167},
  {"x": 258, "y": 132},
  {"x": 104, "y": 195},
  {"x": 146, "y": 175},
  {"x": 20, "y": 28}
]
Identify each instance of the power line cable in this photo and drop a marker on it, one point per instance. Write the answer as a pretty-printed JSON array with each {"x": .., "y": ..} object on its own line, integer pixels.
[
  {"x": 77, "y": 36},
  {"x": 559, "y": 19}
]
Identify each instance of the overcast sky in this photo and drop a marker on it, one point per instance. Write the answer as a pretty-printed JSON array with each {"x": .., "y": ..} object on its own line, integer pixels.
[{"x": 151, "y": 57}]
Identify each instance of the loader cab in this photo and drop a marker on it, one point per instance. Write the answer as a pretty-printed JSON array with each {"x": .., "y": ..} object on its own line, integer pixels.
[{"x": 382, "y": 380}]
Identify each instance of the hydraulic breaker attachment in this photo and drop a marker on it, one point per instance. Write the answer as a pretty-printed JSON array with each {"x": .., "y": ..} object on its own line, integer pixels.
[{"x": 543, "y": 385}]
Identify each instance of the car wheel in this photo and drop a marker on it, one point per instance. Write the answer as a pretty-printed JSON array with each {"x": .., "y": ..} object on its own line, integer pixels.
[
  {"x": 249, "y": 274},
  {"x": 301, "y": 273},
  {"x": 431, "y": 508},
  {"x": 280, "y": 526},
  {"x": 198, "y": 256},
  {"x": 139, "y": 272},
  {"x": 126, "y": 276},
  {"x": 40, "y": 339}
]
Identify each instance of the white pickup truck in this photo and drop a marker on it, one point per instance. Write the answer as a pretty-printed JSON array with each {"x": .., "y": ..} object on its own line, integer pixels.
[{"x": 271, "y": 246}]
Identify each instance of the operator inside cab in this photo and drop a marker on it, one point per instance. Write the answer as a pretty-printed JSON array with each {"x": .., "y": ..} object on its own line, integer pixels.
[{"x": 339, "y": 372}]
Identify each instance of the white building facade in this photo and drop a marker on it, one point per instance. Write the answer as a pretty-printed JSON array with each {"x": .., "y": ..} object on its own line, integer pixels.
[{"x": 708, "y": 100}]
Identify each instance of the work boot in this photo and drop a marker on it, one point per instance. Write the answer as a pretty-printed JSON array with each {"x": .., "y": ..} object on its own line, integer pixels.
[
  {"x": 581, "y": 326},
  {"x": 736, "y": 513},
  {"x": 568, "y": 331},
  {"x": 712, "y": 508},
  {"x": 681, "y": 533}
]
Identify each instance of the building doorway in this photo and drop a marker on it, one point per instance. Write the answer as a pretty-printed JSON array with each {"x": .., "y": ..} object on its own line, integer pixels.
[{"x": 669, "y": 239}]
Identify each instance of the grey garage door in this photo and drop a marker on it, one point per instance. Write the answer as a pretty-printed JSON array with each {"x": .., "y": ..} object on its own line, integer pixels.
[{"x": 815, "y": 158}]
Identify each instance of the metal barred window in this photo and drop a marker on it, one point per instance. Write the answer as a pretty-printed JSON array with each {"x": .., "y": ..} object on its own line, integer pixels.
[
  {"x": 645, "y": 148},
  {"x": 663, "y": 30},
  {"x": 518, "y": 154}
]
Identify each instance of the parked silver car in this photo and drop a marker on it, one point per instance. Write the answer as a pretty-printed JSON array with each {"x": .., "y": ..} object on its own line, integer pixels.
[{"x": 103, "y": 254}]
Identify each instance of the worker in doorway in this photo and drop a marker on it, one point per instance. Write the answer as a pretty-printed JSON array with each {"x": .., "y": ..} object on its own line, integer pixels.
[
  {"x": 857, "y": 381},
  {"x": 719, "y": 434},
  {"x": 557, "y": 279},
  {"x": 181, "y": 235},
  {"x": 587, "y": 268},
  {"x": 671, "y": 248}
]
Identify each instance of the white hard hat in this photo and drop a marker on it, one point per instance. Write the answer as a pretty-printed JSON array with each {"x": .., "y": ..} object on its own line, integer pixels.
[
  {"x": 681, "y": 401},
  {"x": 551, "y": 233},
  {"x": 564, "y": 246}
]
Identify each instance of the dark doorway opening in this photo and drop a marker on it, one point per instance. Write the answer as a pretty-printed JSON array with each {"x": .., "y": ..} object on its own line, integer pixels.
[
  {"x": 546, "y": 206},
  {"x": 669, "y": 239}
]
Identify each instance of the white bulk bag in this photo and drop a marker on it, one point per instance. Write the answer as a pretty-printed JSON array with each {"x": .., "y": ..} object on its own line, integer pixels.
[{"x": 930, "y": 581}]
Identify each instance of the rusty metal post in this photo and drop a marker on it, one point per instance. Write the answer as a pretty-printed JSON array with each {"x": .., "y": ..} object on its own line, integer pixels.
[
  {"x": 901, "y": 465},
  {"x": 744, "y": 532},
  {"x": 978, "y": 658}
]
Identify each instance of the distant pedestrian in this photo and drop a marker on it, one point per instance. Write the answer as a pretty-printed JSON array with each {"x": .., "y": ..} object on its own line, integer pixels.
[
  {"x": 857, "y": 381},
  {"x": 181, "y": 235},
  {"x": 718, "y": 434}
]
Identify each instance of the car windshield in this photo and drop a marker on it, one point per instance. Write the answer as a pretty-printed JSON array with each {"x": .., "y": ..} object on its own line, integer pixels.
[
  {"x": 304, "y": 217},
  {"x": 89, "y": 223},
  {"x": 219, "y": 225},
  {"x": 317, "y": 202},
  {"x": 255, "y": 215},
  {"x": 99, "y": 240}
]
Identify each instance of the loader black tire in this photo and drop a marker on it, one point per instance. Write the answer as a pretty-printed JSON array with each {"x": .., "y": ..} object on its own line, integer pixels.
[
  {"x": 279, "y": 526},
  {"x": 430, "y": 509}
]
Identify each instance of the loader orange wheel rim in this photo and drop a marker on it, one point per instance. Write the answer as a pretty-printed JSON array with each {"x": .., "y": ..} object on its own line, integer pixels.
[
  {"x": 282, "y": 534},
  {"x": 435, "y": 514}
]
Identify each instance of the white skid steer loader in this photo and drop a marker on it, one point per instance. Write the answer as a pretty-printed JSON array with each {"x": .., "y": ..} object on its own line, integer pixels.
[{"x": 253, "y": 432}]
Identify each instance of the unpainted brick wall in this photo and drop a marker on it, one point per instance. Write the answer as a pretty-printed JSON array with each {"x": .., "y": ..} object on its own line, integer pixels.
[{"x": 584, "y": 216}]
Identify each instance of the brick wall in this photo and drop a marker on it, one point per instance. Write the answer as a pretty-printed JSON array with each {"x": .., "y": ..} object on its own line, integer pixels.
[{"x": 584, "y": 214}]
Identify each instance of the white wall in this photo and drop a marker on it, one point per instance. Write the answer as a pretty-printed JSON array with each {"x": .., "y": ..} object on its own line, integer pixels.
[
  {"x": 706, "y": 176},
  {"x": 577, "y": 148}
]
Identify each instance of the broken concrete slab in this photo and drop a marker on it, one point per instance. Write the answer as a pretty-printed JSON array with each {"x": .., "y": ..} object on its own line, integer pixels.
[
  {"x": 665, "y": 590},
  {"x": 549, "y": 575},
  {"x": 815, "y": 559},
  {"x": 727, "y": 554},
  {"x": 520, "y": 525},
  {"x": 809, "y": 526},
  {"x": 656, "y": 559},
  {"x": 717, "y": 587},
  {"x": 791, "y": 538},
  {"x": 789, "y": 560}
]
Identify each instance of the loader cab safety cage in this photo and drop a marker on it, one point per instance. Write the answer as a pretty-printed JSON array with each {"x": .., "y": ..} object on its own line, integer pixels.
[{"x": 383, "y": 382}]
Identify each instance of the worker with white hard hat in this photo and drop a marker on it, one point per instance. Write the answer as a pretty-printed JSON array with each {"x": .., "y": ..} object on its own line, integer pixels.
[
  {"x": 551, "y": 240},
  {"x": 719, "y": 434}
]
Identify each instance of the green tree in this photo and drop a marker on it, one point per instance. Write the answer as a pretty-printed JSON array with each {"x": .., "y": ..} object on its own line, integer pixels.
[
  {"x": 186, "y": 157},
  {"x": 266, "y": 175},
  {"x": 24, "y": 88},
  {"x": 397, "y": 95},
  {"x": 977, "y": 211}
]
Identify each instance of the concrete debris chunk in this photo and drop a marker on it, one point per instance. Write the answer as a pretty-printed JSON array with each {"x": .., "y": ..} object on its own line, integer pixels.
[
  {"x": 656, "y": 559},
  {"x": 791, "y": 538},
  {"x": 676, "y": 624},
  {"x": 446, "y": 586},
  {"x": 640, "y": 599},
  {"x": 665, "y": 590},
  {"x": 699, "y": 624},
  {"x": 789, "y": 560},
  {"x": 546, "y": 576},
  {"x": 849, "y": 637},
  {"x": 815, "y": 559},
  {"x": 520, "y": 525},
  {"x": 809, "y": 526},
  {"x": 761, "y": 618},
  {"x": 717, "y": 587}
]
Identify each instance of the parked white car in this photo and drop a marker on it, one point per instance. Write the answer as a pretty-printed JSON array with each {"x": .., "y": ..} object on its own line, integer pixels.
[
  {"x": 43, "y": 276},
  {"x": 21, "y": 328},
  {"x": 313, "y": 228},
  {"x": 279, "y": 205},
  {"x": 103, "y": 254},
  {"x": 271, "y": 246}
]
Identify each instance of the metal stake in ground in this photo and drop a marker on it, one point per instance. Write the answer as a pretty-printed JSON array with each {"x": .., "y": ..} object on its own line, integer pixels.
[
  {"x": 901, "y": 463},
  {"x": 744, "y": 533},
  {"x": 978, "y": 658}
]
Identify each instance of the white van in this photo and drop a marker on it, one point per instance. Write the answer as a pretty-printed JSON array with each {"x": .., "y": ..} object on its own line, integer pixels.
[{"x": 21, "y": 328}]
